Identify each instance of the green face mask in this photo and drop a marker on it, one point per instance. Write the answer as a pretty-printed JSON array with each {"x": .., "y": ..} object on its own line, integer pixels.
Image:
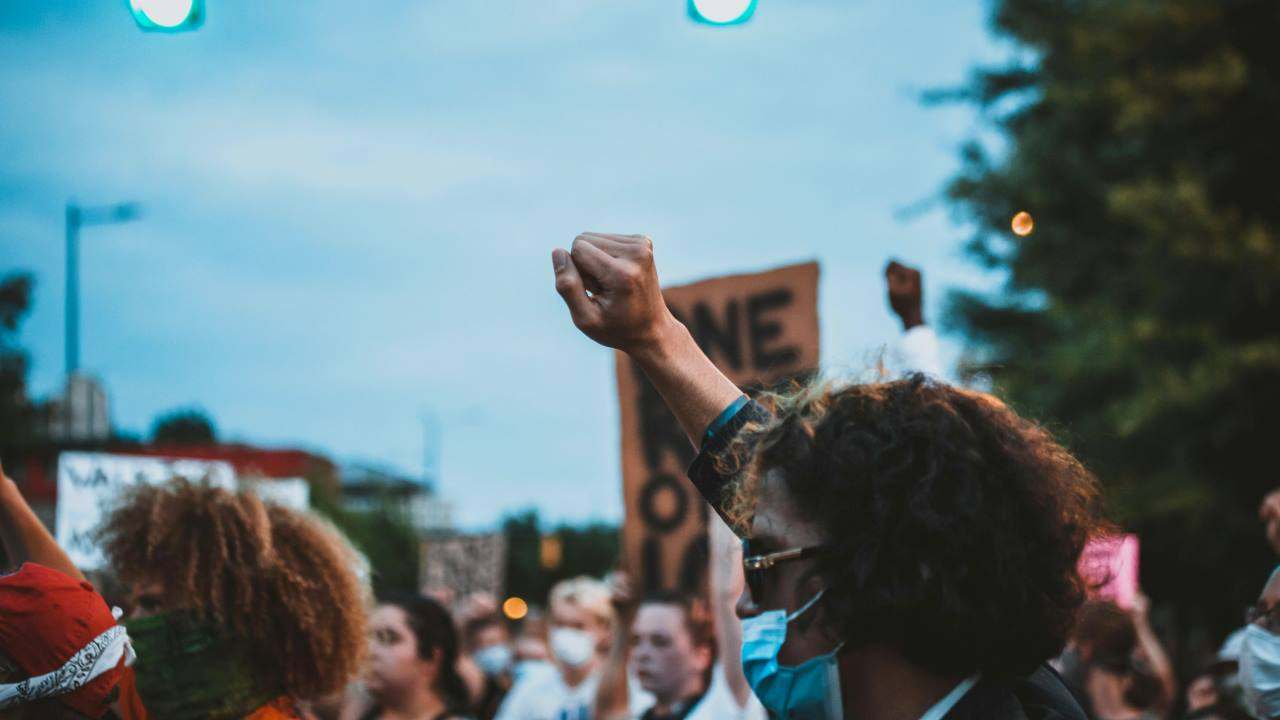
[{"x": 186, "y": 669}]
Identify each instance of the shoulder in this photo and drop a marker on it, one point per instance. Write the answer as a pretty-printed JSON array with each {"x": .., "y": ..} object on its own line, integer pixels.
[{"x": 1038, "y": 696}]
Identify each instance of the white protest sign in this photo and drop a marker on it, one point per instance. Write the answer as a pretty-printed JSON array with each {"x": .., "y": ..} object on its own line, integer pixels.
[
  {"x": 90, "y": 483},
  {"x": 292, "y": 493}
]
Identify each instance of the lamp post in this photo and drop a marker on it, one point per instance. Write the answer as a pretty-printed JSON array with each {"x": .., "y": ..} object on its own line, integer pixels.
[{"x": 78, "y": 217}]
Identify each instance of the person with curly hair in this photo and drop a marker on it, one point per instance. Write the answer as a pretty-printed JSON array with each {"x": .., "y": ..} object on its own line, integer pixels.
[
  {"x": 910, "y": 547},
  {"x": 241, "y": 609}
]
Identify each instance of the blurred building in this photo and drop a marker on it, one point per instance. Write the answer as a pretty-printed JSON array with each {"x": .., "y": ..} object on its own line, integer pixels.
[
  {"x": 81, "y": 413},
  {"x": 366, "y": 488}
]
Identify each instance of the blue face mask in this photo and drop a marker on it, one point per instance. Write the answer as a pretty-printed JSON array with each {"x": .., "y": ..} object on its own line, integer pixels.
[
  {"x": 1260, "y": 672},
  {"x": 808, "y": 691}
]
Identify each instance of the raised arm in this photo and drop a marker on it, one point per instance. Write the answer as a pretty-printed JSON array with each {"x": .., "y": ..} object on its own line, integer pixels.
[
  {"x": 613, "y": 700},
  {"x": 611, "y": 287},
  {"x": 25, "y": 538}
]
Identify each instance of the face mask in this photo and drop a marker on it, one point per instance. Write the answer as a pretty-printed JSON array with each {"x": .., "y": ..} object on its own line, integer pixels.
[
  {"x": 571, "y": 646},
  {"x": 1260, "y": 672},
  {"x": 189, "y": 670},
  {"x": 493, "y": 660},
  {"x": 808, "y": 691}
]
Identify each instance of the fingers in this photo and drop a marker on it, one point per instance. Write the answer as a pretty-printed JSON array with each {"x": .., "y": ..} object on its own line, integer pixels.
[
  {"x": 594, "y": 262},
  {"x": 632, "y": 246},
  {"x": 582, "y": 309}
]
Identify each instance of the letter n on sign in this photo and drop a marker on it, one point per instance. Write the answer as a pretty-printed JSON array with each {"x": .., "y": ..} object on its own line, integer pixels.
[{"x": 759, "y": 329}]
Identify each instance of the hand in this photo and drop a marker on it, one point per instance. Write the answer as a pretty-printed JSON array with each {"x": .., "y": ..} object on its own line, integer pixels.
[
  {"x": 905, "y": 294},
  {"x": 624, "y": 309},
  {"x": 1141, "y": 609},
  {"x": 622, "y": 593},
  {"x": 1269, "y": 513},
  {"x": 476, "y": 605}
]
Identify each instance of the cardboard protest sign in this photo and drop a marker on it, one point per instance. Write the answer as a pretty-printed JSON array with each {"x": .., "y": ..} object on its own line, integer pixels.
[
  {"x": 90, "y": 483},
  {"x": 758, "y": 329},
  {"x": 460, "y": 565},
  {"x": 1109, "y": 567}
]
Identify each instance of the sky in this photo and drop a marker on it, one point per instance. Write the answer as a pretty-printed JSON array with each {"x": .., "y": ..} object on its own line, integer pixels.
[{"x": 349, "y": 208}]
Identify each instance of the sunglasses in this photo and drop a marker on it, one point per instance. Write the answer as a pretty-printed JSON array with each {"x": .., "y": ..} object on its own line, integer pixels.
[{"x": 755, "y": 567}]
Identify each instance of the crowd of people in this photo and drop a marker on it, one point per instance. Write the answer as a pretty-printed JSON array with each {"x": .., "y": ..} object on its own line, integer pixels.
[{"x": 896, "y": 549}]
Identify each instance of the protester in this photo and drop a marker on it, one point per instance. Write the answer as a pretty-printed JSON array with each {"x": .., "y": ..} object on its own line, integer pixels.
[
  {"x": 241, "y": 608},
  {"x": 1260, "y": 653},
  {"x": 488, "y": 641},
  {"x": 1117, "y": 664},
  {"x": 911, "y": 547},
  {"x": 668, "y": 641},
  {"x": 413, "y": 662},
  {"x": 581, "y": 623},
  {"x": 62, "y": 654},
  {"x": 532, "y": 656}
]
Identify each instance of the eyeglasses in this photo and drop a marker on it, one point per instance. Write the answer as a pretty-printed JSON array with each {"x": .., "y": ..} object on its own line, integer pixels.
[{"x": 754, "y": 567}]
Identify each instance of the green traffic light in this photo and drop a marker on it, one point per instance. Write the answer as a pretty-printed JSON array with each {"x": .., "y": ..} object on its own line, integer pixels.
[
  {"x": 722, "y": 12},
  {"x": 167, "y": 15}
]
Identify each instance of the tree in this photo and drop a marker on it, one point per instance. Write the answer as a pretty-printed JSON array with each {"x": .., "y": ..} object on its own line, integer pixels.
[
  {"x": 590, "y": 549},
  {"x": 1140, "y": 317},
  {"x": 184, "y": 426},
  {"x": 19, "y": 425}
]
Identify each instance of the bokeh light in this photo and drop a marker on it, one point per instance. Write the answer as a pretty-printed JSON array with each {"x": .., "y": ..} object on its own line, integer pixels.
[
  {"x": 515, "y": 608},
  {"x": 165, "y": 13},
  {"x": 722, "y": 11},
  {"x": 1023, "y": 224}
]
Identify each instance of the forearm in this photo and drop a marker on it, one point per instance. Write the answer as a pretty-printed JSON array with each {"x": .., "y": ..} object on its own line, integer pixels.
[
  {"x": 612, "y": 701},
  {"x": 25, "y": 537},
  {"x": 1160, "y": 663},
  {"x": 725, "y": 577},
  {"x": 691, "y": 385}
]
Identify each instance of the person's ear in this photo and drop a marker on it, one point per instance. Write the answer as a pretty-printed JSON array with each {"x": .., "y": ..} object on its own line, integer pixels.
[{"x": 702, "y": 655}]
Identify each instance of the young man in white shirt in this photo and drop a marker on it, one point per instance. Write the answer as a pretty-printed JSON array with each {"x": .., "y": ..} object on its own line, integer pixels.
[{"x": 581, "y": 625}]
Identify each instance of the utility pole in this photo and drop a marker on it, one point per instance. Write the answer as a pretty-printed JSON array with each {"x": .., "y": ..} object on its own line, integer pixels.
[{"x": 78, "y": 217}]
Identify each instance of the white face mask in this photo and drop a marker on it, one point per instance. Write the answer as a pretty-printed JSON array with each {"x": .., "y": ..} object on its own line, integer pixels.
[
  {"x": 571, "y": 646},
  {"x": 493, "y": 660},
  {"x": 1260, "y": 672}
]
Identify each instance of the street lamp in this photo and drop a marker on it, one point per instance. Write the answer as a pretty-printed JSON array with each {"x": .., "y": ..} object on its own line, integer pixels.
[
  {"x": 167, "y": 15},
  {"x": 78, "y": 217},
  {"x": 722, "y": 12}
]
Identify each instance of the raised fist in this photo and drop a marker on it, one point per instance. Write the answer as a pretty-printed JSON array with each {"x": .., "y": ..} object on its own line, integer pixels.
[
  {"x": 905, "y": 295},
  {"x": 612, "y": 290}
]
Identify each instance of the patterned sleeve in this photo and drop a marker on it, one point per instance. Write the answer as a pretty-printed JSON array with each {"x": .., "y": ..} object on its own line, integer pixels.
[{"x": 706, "y": 477}]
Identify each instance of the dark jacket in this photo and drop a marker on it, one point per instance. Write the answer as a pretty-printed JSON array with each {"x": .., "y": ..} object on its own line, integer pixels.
[{"x": 1040, "y": 696}]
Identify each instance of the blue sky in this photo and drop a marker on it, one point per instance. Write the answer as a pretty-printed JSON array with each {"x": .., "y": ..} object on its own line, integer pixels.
[{"x": 350, "y": 206}]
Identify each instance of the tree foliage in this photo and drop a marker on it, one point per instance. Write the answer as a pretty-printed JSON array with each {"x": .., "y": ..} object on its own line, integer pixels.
[
  {"x": 590, "y": 549},
  {"x": 1140, "y": 317},
  {"x": 19, "y": 425},
  {"x": 184, "y": 426}
]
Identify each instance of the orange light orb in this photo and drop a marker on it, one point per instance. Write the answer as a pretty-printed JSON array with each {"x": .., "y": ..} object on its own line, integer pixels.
[
  {"x": 514, "y": 608},
  {"x": 1023, "y": 224}
]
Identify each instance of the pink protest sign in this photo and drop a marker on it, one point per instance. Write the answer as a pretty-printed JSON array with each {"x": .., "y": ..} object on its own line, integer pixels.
[{"x": 1109, "y": 567}]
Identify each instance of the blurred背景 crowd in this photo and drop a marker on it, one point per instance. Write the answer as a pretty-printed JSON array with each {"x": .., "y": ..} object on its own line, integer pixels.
[{"x": 897, "y": 549}]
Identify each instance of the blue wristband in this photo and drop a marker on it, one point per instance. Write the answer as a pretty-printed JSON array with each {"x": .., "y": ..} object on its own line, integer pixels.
[{"x": 723, "y": 419}]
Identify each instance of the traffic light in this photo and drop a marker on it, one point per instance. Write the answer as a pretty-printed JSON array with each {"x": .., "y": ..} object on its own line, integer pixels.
[
  {"x": 722, "y": 12},
  {"x": 167, "y": 15}
]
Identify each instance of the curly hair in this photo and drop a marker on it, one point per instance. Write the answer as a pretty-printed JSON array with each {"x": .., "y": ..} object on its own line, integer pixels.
[
  {"x": 955, "y": 525},
  {"x": 281, "y": 582}
]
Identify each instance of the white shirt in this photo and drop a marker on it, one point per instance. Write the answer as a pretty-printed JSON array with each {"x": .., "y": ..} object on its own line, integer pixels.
[
  {"x": 545, "y": 696},
  {"x": 917, "y": 350},
  {"x": 948, "y": 701},
  {"x": 717, "y": 703}
]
